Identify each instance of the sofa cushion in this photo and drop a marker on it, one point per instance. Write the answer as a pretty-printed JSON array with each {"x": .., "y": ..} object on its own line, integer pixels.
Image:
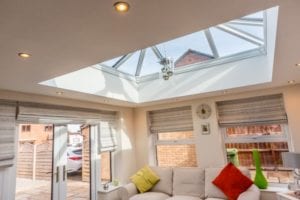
[
  {"x": 232, "y": 182},
  {"x": 189, "y": 182},
  {"x": 211, "y": 191},
  {"x": 166, "y": 179},
  {"x": 150, "y": 196},
  {"x": 144, "y": 179},
  {"x": 183, "y": 197}
]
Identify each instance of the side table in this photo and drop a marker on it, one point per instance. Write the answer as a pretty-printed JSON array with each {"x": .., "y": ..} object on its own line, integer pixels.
[{"x": 110, "y": 194}]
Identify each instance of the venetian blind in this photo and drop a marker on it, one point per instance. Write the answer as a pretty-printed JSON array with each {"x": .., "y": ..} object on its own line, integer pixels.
[
  {"x": 255, "y": 110},
  {"x": 7, "y": 133},
  {"x": 171, "y": 120}
]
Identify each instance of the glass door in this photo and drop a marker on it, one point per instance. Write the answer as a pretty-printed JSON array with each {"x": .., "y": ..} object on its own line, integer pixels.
[
  {"x": 59, "y": 172},
  {"x": 71, "y": 162}
]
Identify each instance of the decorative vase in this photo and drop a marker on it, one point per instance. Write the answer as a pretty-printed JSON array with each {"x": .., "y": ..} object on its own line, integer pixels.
[{"x": 260, "y": 180}]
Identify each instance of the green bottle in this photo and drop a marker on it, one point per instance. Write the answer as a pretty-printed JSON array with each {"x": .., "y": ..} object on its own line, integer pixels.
[{"x": 260, "y": 180}]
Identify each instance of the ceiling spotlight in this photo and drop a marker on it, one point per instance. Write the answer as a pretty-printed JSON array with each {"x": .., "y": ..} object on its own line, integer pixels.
[
  {"x": 121, "y": 6},
  {"x": 297, "y": 65},
  {"x": 24, "y": 55},
  {"x": 291, "y": 81},
  {"x": 59, "y": 93}
]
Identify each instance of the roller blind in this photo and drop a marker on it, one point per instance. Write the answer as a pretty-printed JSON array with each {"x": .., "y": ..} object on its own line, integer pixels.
[
  {"x": 249, "y": 111},
  {"x": 171, "y": 120},
  {"x": 7, "y": 133}
]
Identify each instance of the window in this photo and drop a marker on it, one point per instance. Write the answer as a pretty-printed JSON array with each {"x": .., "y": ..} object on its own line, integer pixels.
[
  {"x": 48, "y": 128},
  {"x": 106, "y": 166},
  {"x": 172, "y": 132},
  {"x": 26, "y": 128},
  {"x": 176, "y": 149},
  {"x": 256, "y": 123}
]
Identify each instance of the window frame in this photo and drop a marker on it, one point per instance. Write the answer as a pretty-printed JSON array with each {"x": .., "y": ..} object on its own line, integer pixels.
[
  {"x": 285, "y": 137},
  {"x": 156, "y": 142}
]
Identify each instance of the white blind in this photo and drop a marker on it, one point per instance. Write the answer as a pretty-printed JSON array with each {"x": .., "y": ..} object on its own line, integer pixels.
[
  {"x": 108, "y": 138},
  {"x": 53, "y": 114},
  {"x": 7, "y": 133},
  {"x": 256, "y": 110},
  {"x": 171, "y": 120}
]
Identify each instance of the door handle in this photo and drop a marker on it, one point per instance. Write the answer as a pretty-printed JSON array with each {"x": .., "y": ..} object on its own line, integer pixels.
[
  {"x": 64, "y": 173},
  {"x": 57, "y": 174}
]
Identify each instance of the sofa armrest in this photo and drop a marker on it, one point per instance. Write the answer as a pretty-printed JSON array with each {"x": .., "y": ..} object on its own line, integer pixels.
[
  {"x": 252, "y": 193},
  {"x": 127, "y": 191}
]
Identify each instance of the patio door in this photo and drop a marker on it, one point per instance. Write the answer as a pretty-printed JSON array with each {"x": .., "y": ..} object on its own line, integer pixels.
[{"x": 59, "y": 175}]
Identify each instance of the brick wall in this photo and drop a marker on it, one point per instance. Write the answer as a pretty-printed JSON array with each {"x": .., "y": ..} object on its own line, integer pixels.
[
  {"x": 38, "y": 133},
  {"x": 180, "y": 155}
]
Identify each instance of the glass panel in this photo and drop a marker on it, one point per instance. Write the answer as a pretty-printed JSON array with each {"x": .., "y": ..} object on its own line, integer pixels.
[
  {"x": 176, "y": 155},
  {"x": 257, "y": 31},
  {"x": 258, "y": 15},
  {"x": 106, "y": 167},
  {"x": 130, "y": 65},
  {"x": 255, "y": 130},
  {"x": 271, "y": 160},
  {"x": 228, "y": 44},
  {"x": 175, "y": 136},
  {"x": 194, "y": 45},
  {"x": 151, "y": 63},
  {"x": 34, "y": 164},
  {"x": 111, "y": 62}
]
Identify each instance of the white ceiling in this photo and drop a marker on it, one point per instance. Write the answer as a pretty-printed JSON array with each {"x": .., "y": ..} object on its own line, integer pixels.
[{"x": 67, "y": 35}]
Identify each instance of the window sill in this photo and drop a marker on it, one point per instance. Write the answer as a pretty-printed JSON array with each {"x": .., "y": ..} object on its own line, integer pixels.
[{"x": 276, "y": 188}]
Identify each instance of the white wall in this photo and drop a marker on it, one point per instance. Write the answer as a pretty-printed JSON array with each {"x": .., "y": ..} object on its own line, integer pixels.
[
  {"x": 125, "y": 156},
  {"x": 210, "y": 149}
]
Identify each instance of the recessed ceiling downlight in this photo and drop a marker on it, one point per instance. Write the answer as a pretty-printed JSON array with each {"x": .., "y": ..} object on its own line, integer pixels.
[
  {"x": 121, "y": 6},
  {"x": 24, "y": 55},
  {"x": 291, "y": 81}
]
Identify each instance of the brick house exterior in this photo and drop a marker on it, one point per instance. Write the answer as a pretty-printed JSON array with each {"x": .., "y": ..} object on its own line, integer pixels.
[{"x": 191, "y": 57}]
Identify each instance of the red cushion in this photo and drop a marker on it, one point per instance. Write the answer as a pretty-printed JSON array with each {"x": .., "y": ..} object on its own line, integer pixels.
[{"x": 232, "y": 182}]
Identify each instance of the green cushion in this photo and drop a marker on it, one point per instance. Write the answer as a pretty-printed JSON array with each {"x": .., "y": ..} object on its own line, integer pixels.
[{"x": 144, "y": 179}]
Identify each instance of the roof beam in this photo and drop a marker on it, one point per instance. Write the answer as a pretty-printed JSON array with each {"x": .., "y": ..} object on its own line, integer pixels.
[
  {"x": 211, "y": 43},
  {"x": 241, "y": 35},
  {"x": 247, "y": 22},
  {"x": 244, "y": 32},
  {"x": 140, "y": 62},
  {"x": 122, "y": 60},
  {"x": 157, "y": 52}
]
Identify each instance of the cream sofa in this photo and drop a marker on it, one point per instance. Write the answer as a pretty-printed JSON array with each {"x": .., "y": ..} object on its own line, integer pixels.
[{"x": 185, "y": 184}]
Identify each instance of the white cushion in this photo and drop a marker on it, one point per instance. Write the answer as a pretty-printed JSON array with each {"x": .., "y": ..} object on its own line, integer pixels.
[
  {"x": 215, "y": 199},
  {"x": 165, "y": 184},
  {"x": 189, "y": 182},
  {"x": 211, "y": 191},
  {"x": 150, "y": 196},
  {"x": 183, "y": 197}
]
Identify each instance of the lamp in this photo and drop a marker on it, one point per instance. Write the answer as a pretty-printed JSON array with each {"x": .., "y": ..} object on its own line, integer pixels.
[
  {"x": 168, "y": 67},
  {"x": 292, "y": 160}
]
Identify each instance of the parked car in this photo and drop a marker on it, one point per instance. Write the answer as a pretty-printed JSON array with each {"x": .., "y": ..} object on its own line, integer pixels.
[{"x": 74, "y": 162}]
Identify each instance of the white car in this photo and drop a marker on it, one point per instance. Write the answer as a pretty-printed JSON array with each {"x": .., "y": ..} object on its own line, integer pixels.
[{"x": 74, "y": 162}]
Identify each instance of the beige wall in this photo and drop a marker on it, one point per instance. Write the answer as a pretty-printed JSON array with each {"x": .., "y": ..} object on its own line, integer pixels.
[
  {"x": 210, "y": 149},
  {"x": 125, "y": 157}
]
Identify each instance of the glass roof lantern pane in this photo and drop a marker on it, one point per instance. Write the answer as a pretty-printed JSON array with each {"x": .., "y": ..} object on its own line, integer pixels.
[
  {"x": 229, "y": 44},
  {"x": 129, "y": 66},
  {"x": 180, "y": 46},
  {"x": 151, "y": 63}
]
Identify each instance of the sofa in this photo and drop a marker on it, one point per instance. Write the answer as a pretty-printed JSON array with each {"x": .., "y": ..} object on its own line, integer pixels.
[{"x": 185, "y": 184}]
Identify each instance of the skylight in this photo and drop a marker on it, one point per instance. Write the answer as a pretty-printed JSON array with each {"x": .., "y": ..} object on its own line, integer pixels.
[{"x": 234, "y": 40}]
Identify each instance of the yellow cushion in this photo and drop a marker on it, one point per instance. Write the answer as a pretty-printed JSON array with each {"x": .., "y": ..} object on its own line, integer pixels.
[{"x": 144, "y": 179}]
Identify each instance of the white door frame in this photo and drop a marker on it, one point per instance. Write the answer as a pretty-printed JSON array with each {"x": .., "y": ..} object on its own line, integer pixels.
[{"x": 59, "y": 175}]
